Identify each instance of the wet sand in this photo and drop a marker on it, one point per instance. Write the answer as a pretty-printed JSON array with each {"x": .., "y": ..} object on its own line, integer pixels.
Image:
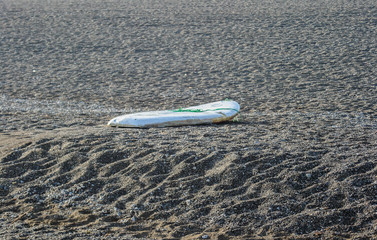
[{"x": 299, "y": 163}]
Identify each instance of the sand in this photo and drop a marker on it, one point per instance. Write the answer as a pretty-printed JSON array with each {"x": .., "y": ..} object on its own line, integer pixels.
[{"x": 299, "y": 163}]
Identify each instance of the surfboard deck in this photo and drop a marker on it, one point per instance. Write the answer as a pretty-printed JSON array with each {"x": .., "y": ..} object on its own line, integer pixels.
[{"x": 214, "y": 112}]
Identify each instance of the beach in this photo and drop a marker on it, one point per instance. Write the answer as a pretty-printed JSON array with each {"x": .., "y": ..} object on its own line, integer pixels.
[{"x": 299, "y": 162}]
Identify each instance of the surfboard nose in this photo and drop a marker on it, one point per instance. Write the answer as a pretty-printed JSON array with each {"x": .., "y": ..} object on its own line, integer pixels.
[{"x": 112, "y": 122}]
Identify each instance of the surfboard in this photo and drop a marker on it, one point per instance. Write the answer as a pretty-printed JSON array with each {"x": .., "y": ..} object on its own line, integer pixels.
[{"x": 214, "y": 112}]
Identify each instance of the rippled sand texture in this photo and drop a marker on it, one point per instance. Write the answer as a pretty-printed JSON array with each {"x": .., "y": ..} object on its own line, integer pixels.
[{"x": 300, "y": 163}]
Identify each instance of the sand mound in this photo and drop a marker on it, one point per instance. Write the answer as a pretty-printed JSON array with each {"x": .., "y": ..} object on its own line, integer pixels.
[{"x": 219, "y": 180}]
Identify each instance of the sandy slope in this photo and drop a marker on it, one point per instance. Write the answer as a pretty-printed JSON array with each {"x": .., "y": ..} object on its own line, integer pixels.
[{"x": 299, "y": 163}]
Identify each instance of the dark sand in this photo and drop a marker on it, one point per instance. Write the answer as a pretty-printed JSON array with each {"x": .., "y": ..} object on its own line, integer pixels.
[{"x": 300, "y": 163}]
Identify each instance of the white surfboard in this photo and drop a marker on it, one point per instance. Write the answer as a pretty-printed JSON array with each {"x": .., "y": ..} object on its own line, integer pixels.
[{"x": 215, "y": 112}]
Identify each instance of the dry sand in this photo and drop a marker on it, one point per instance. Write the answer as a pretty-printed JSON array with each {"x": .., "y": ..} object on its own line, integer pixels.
[{"x": 300, "y": 163}]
